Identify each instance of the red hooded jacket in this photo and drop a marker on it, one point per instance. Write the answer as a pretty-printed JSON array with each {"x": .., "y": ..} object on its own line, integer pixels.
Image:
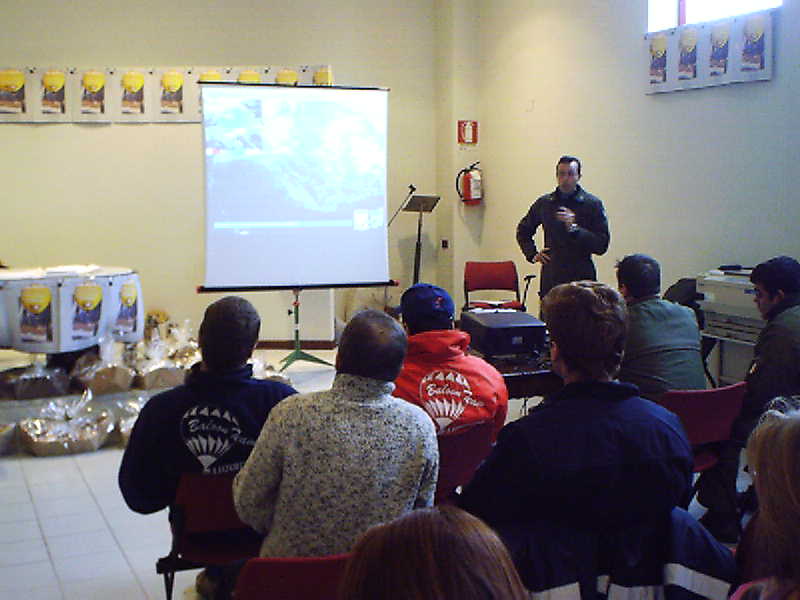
[{"x": 457, "y": 390}]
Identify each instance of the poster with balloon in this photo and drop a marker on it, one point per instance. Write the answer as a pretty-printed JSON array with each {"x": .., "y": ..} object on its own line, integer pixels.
[
  {"x": 733, "y": 50},
  {"x": 129, "y": 94}
]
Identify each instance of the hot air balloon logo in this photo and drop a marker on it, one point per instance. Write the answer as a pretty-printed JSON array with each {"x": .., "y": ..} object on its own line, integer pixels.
[
  {"x": 88, "y": 301},
  {"x": 249, "y": 76},
  {"x": 35, "y": 322},
  {"x": 12, "y": 91},
  {"x": 658, "y": 58},
  {"x": 720, "y": 43},
  {"x": 753, "y": 47},
  {"x": 212, "y": 75},
  {"x": 128, "y": 308},
  {"x": 132, "y": 83},
  {"x": 53, "y": 91},
  {"x": 209, "y": 432},
  {"x": 445, "y": 395},
  {"x": 323, "y": 76},
  {"x": 172, "y": 92},
  {"x": 286, "y": 77},
  {"x": 94, "y": 92}
]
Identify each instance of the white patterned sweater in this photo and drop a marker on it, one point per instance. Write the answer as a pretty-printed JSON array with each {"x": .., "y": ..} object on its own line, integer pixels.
[{"x": 329, "y": 465}]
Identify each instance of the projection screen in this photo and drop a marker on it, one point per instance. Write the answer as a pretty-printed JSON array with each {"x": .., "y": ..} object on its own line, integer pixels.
[{"x": 295, "y": 186}]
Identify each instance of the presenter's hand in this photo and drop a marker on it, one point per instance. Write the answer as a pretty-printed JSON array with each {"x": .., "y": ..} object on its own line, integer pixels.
[
  {"x": 566, "y": 216},
  {"x": 543, "y": 256}
]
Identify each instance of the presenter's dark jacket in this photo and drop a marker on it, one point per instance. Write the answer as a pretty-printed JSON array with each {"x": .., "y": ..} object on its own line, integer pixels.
[
  {"x": 587, "y": 478},
  {"x": 570, "y": 252},
  {"x": 208, "y": 425}
]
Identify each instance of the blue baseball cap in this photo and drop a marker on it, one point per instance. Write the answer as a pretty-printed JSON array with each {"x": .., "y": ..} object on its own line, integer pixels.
[{"x": 426, "y": 302}]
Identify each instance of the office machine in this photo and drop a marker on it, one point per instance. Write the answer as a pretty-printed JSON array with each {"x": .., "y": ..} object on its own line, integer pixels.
[
  {"x": 727, "y": 303},
  {"x": 504, "y": 332}
]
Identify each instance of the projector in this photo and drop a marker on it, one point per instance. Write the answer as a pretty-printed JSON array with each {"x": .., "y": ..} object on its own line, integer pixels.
[{"x": 504, "y": 333}]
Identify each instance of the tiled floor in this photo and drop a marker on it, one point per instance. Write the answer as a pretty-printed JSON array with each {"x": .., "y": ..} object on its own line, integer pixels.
[{"x": 66, "y": 533}]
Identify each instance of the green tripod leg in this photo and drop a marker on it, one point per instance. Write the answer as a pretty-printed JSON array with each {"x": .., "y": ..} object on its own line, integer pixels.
[{"x": 298, "y": 353}]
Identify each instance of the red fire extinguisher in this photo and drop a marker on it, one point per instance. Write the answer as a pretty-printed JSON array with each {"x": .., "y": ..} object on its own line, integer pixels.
[{"x": 468, "y": 184}]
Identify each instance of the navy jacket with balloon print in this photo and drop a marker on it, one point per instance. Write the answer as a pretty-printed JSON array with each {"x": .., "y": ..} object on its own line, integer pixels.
[{"x": 208, "y": 425}]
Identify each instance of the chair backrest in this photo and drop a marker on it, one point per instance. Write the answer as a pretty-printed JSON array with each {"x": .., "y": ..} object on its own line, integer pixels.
[
  {"x": 459, "y": 455},
  {"x": 707, "y": 415},
  {"x": 491, "y": 276},
  {"x": 314, "y": 578},
  {"x": 205, "y": 503}
]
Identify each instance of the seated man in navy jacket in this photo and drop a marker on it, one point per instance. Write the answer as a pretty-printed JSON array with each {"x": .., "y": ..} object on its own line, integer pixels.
[
  {"x": 584, "y": 489},
  {"x": 210, "y": 423}
]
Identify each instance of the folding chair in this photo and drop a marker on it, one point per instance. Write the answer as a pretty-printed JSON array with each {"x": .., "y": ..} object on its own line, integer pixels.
[
  {"x": 707, "y": 417},
  {"x": 493, "y": 276},
  {"x": 460, "y": 454},
  {"x": 314, "y": 578},
  {"x": 206, "y": 530}
]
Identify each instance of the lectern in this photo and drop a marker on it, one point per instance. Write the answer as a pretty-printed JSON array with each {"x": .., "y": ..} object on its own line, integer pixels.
[{"x": 419, "y": 204}]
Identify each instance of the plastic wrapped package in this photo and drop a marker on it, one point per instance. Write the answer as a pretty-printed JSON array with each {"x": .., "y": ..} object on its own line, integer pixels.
[
  {"x": 182, "y": 347},
  {"x": 103, "y": 373},
  {"x": 8, "y": 438},
  {"x": 155, "y": 369},
  {"x": 127, "y": 411},
  {"x": 66, "y": 426},
  {"x": 36, "y": 381},
  {"x": 264, "y": 370}
]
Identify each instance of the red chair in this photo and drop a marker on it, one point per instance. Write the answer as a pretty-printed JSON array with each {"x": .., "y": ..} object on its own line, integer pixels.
[
  {"x": 707, "y": 417},
  {"x": 493, "y": 276},
  {"x": 460, "y": 454},
  {"x": 314, "y": 578},
  {"x": 206, "y": 530}
]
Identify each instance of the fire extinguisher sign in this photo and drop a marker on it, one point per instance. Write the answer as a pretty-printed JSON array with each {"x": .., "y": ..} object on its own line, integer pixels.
[{"x": 468, "y": 132}]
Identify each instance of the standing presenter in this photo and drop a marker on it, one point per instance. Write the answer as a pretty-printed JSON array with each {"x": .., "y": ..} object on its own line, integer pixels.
[{"x": 575, "y": 227}]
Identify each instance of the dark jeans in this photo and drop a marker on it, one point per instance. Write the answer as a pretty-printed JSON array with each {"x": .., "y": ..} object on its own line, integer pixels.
[{"x": 717, "y": 485}]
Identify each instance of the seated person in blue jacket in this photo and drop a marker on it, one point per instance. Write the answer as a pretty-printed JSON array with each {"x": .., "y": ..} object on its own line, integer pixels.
[
  {"x": 662, "y": 351},
  {"x": 211, "y": 422},
  {"x": 584, "y": 489}
]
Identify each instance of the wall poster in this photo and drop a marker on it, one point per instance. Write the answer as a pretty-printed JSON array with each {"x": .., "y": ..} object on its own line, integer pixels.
[{"x": 731, "y": 50}]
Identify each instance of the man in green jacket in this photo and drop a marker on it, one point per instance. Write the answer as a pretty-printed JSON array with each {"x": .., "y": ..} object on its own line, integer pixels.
[
  {"x": 775, "y": 371},
  {"x": 662, "y": 351}
]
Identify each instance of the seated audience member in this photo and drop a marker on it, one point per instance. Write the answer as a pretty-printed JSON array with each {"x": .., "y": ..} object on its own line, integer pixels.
[
  {"x": 329, "y": 465},
  {"x": 457, "y": 390},
  {"x": 662, "y": 350},
  {"x": 439, "y": 553},
  {"x": 775, "y": 371},
  {"x": 768, "y": 550},
  {"x": 584, "y": 490},
  {"x": 209, "y": 424}
]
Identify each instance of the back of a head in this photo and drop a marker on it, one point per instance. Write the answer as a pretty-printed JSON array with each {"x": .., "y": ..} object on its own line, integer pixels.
[
  {"x": 587, "y": 320},
  {"x": 439, "y": 553},
  {"x": 641, "y": 274},
  {"x": 228, "y": 333},
  {"x": 779, "y": 273},
  {"x": 426, "y": 307},
  {"x": 773, "y": 453},
  {"x": 373, "y": 345}
]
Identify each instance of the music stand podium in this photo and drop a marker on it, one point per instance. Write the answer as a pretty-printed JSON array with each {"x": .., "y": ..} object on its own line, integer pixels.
[{"x": 419, "y": 204}]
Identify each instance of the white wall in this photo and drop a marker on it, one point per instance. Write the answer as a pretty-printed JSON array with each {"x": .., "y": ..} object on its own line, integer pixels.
[
  {"x": 695, "y": 178},
  {"x": 132, "y": 195}
]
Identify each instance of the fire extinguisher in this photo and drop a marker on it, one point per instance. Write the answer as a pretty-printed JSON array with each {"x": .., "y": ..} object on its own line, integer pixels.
[{"x": 468, "y": 184}]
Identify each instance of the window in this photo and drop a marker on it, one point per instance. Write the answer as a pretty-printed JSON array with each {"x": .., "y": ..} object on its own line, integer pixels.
[{"x": 665, "y": 14}]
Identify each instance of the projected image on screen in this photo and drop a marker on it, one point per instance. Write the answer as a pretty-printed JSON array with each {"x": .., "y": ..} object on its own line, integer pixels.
[{"x": 295, "y": 185}]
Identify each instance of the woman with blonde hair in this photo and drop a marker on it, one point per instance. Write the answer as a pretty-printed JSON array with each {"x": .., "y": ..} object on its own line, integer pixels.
[
  {"x": 771, "y": 548},
  {"x": 439, "y": 553}
]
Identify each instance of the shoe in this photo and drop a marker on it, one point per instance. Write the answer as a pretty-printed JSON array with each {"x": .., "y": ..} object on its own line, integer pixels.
[
  {"x": 725, "y": 529},
  {"x": 205, "y": 586}
]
